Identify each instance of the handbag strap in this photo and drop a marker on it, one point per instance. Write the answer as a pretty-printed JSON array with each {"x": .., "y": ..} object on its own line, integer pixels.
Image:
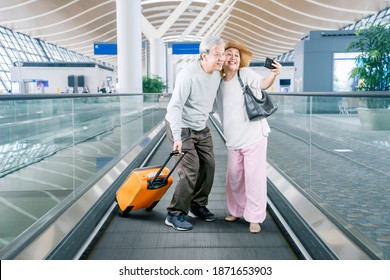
[{"x": 239, "y": 79}]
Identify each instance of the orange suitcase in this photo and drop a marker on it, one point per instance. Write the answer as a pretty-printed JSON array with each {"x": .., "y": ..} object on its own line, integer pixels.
[{"x": 145, "y": 186}]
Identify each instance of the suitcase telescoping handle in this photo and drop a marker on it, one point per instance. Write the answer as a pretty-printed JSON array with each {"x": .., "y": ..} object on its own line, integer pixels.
[{"x": 155, "y": 184}]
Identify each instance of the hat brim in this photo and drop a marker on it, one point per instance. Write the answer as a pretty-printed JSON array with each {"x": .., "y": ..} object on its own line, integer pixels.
[{"x": 245, "y": 54}]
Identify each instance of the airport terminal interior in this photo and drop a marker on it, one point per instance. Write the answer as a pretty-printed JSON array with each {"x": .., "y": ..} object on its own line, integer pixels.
[{"x": 76, "y": 120}]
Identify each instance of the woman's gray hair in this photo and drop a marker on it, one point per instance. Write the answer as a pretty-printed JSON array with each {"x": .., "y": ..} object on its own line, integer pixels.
[{"x": 208, "y": 43}]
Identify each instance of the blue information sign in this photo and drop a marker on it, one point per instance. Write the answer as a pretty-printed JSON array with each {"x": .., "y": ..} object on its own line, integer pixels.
[
  {"x": 185, "y": 48},
  {"x": 177, "y": 48},
  {"x": 105, "y": 48}
]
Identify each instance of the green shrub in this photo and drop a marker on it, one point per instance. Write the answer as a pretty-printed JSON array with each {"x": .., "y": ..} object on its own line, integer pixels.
[
  {"x": 153, "y": 84},
  {"x": 373, "y": 63}
]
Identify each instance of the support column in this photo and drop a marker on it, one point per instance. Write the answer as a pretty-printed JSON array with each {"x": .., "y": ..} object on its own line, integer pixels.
[
  {"x": 170, "y": 70},
  {"x": 146, "y": 61},
  {"x": 129, "y": 42},
  {"x": 157, "y": 56}
]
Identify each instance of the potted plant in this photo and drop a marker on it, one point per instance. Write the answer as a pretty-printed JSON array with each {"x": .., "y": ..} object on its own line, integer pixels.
[
  {"x": 372, "y": 73},
  {"x": 154, "y": 86}
]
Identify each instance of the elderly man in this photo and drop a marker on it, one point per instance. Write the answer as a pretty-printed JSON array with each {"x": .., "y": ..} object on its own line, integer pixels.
[{"x": 187, "y": 113}]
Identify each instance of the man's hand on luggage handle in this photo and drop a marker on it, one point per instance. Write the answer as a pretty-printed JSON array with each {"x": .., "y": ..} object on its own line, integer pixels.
[{"x": 177, "y": 146}]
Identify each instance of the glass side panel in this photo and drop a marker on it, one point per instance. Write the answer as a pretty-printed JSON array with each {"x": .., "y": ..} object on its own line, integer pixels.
[
  {"x": 52, "y": 149},
  {"x": 336, "y": 161}
]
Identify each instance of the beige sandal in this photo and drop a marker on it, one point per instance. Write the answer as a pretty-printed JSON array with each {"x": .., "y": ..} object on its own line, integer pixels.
[
  {"x": 254, "y": 228},
  {"x": 231, "y": 218}
]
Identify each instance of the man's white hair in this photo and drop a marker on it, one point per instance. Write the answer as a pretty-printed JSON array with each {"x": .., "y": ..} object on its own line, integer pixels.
[{"x": 208, "y": 43}]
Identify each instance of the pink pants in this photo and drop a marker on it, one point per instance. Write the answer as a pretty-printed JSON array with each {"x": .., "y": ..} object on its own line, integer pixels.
[{"x": 246, "y": 182}]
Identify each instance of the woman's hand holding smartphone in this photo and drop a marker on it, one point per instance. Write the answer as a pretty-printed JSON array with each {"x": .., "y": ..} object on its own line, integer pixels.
[{"x": 268, "y": 63}]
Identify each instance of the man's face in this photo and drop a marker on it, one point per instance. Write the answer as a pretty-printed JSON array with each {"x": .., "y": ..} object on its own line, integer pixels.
[{"x": 215, "y": 58}]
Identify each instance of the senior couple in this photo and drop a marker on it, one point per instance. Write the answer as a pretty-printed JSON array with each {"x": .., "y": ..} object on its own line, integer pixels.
[{"x": 209, "y": 84}]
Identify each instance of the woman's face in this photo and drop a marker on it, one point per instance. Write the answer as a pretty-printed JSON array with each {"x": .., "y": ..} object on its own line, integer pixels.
[{"x": 232, "y": 61}]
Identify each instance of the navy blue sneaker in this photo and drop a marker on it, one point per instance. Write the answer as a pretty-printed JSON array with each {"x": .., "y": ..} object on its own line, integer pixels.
[
  {"x": 202, "y": 213},
  {"x": 178, "y": 222}
]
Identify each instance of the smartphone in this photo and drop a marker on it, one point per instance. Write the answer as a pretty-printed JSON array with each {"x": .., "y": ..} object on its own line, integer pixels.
[{"x": 268, "y": 63}]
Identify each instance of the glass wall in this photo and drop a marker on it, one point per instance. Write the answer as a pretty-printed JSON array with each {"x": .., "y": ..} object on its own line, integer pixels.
[{"x": 18, "y": 47}]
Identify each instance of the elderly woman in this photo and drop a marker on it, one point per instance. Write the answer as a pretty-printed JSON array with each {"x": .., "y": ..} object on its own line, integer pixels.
[{"x": 246, "y": 141}]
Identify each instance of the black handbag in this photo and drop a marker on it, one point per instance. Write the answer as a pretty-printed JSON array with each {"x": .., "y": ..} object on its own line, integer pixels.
[{"x": 257, "y": 108}]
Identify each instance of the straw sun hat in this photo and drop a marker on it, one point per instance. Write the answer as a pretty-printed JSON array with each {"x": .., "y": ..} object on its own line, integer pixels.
[{"x": 245, "y": 54}]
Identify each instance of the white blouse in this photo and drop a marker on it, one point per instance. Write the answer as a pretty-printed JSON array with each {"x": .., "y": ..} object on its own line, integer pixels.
[{"x": 239, "y": 131}]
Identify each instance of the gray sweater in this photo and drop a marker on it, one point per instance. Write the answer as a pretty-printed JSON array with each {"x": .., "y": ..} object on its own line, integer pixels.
[{"x": 192, "y": 99}]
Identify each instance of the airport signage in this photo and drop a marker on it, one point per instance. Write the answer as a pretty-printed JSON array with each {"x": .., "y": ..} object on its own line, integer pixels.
[
  {"x": 105, "y": 48},
  {"x": 185, "y": 48}
]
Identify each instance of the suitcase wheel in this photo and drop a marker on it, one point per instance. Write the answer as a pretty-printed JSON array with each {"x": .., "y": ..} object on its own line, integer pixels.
[
  {"x": 150, "y": 208},
  {"x": 125, "y": 212}
]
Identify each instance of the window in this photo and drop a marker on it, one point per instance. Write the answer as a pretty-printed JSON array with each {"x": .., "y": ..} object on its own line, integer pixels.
[{"x": 20, "y": 47}]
